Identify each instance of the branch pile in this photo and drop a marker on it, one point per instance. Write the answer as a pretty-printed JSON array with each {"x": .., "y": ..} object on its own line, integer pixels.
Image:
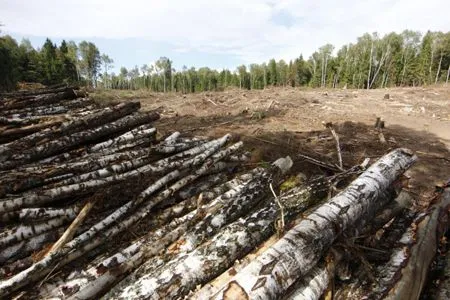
[{"x": 95, "y": 203}]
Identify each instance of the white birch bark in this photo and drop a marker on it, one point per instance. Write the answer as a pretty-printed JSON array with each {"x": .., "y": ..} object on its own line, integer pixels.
[{"x": 301, "y": 247}]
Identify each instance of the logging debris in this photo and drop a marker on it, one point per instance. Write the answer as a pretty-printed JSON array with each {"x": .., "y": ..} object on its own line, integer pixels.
[{"x": 95, "y": 202}]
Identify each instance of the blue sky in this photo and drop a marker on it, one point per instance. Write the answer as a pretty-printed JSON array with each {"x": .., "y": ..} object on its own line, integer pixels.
[{"x": 218, "y": 34}]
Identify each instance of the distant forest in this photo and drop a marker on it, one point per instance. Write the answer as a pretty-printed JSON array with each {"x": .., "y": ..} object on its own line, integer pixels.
[{"x": 405, "y": 59}]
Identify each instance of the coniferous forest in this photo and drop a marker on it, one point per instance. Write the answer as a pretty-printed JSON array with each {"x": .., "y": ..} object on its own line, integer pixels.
[{"x": 409, "y": 58}]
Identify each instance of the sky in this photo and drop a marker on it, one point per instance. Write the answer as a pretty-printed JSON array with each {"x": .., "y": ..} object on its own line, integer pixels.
[{"x": 217, "y": 34}]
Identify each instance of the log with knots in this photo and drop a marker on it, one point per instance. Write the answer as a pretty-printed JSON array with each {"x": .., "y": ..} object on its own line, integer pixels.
[{"x": 96, "y": 203}]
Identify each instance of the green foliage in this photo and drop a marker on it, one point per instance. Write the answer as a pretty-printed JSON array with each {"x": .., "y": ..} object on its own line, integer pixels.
[
  {"x": 49, "y": 65},
  {"x": 8, "y": 63},
  {"x": 405, "y": 59}
]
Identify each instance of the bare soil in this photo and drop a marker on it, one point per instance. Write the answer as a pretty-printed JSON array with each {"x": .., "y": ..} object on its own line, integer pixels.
[{"x": 289, "y": 121}]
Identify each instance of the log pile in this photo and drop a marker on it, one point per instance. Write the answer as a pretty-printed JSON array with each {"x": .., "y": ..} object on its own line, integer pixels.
[{"x": 95, "y": 202}]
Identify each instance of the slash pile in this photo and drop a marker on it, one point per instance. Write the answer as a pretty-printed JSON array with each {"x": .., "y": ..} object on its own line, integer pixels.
[{"x": 94, "y": 202}]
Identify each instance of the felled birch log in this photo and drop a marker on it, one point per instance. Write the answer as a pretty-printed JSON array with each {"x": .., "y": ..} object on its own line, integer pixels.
[
  {"x": 78, "y": 246},
  {"x": 31, "y": 177},
  {"x": 181, "y": 275},
  {"x": 104, "y": 116},
  {"x": 15, "y": 267},
  {"x": 23, "y": 232},
  {"x": 16, "y": 133},
  {"x": 404, "y": 276},
  {"x": 78, "y": 138},
  {"x": 211, "y": 288},
  {"x": 60, "y": 108},
  {"x": 16, "y": 121},
  {"x": 231, "y": 184},
  {"x": 155, "y": 167},
  {"x": 217, "y": 217},
  {"x": 26, "y": 247},
  {"x": 45, "y": 196},
  {"x": 17, "y": 95},
  {"x": 114, "y": 275},
  {"x": 139, "y": 132},
  {"x": 35, "y": 214},
  {"x": 43, "y": 99},
  {"x": 101, "y": 117},
  {"x": 176, "y": 147},
  {"x": 271, "y": 274},
  {"x": 202, "y": 185},
  {"x": 143, "y": 142}
]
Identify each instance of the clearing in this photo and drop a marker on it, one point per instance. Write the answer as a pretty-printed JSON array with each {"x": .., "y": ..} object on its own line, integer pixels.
[{"x": 282, "y": 121}]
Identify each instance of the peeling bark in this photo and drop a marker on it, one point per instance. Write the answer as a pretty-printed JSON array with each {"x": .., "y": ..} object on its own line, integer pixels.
[{"x": 404, "y": 276}]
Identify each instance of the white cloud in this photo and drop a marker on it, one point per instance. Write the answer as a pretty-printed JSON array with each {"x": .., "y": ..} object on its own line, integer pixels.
[{"x": 243, "y": 28}]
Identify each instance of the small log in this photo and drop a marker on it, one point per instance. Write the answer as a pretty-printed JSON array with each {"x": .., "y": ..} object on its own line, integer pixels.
[
  {"x": 26, "y": 247},
  {"x": 34, "y": 214},
  {"x": 176, "y": 147},
  {"x": 23, "y": 232},
  {"x": 104, "y": 116},
  {"x": 15, "y": 133},
  {"x": 137, "y": 133}
]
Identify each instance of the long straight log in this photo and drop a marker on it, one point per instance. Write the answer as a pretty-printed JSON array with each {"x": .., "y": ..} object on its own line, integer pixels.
[
  {"x": 43, "y": 99},
  {"x": 98, "y": 118},
  {"x": 32, "y": 177},
  {"x": 16, "y": 133},
  {"x": 176, "y": 147},
  {"x": 139, "y": 132},
  {"x": 23, "y": 232},
  {"x": 26, "y": 247},
  {"x": 34, "y": 214},
  {"x": 79, "y": 138},
  {"x": 271, "y": 274},
  {"x": 27, "y": 94},
  {"x": 60, "y": 108},
  {"x": 104, "y": 116}
]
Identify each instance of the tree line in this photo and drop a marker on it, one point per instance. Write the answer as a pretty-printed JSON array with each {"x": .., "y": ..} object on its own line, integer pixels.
[
  {"x": 373, "y": 61},
  {"x": 50, "y": 64}
]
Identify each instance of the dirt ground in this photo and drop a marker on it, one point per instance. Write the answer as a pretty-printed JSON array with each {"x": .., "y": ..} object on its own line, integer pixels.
[{"x": 288, "y": 121}]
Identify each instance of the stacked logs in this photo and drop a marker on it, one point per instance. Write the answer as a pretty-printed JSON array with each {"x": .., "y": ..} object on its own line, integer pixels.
[{"x": 94, "y": 203}]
